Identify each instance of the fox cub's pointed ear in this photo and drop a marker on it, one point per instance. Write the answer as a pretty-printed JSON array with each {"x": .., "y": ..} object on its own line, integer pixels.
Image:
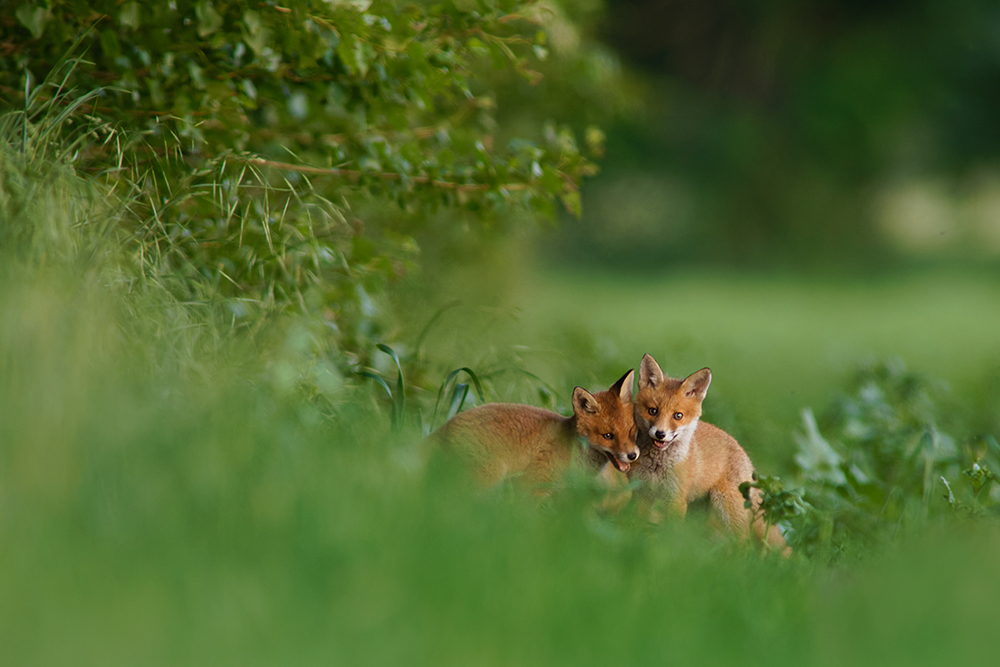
[
  {"x": 696, "y": 384},
  {"x": 623, "y": 388},
  {"x": 650, "y": 374},
  {"x": 584, "y": 401}
]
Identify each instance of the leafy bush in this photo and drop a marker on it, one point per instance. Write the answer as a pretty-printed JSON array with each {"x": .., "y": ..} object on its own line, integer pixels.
[
  {"x": 284, "y": 157},
  {"x": 886, "y": 468}
]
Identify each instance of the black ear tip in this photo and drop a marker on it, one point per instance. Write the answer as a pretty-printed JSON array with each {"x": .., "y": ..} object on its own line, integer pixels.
[{"x": 621, "y": 381}]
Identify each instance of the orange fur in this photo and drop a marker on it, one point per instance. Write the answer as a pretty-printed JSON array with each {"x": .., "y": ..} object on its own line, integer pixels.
[
  {"x": 687, "y": 458},
  {"x": 503, "y": 439}
]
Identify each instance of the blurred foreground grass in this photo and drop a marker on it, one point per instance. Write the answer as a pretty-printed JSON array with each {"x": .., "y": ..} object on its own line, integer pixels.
[
  {"x": 176, "y": 490},
  {"x": 153, "y": 515}
]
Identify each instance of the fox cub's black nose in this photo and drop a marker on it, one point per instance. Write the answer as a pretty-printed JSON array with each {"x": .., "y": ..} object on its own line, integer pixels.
[
  {"x": 632, "y": 456},
  {"x": 660, "y": 435}
]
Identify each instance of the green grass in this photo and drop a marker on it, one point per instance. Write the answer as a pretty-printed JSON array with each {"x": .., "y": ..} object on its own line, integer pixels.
[
  {"x": 169, "y": 518},
  {"x": 174, "y": 493}
]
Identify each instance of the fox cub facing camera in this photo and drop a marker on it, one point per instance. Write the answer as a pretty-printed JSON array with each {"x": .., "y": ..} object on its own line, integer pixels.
[
  {"x": 688, "y": 458},
  {"x": 502, "y": 439}
]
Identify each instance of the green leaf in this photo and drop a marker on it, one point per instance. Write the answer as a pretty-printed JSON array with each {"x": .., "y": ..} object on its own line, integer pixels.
[
  {"x": 551, "y": 181},
  {"x": 256, "y": 35},
  {"x": 209, "y": 20},
  {"x": 444, "y": 386},
  {"x": 249, "y": 89},
  {"x": 363, "y": 55},
  {"x": 33, "y": 18},
  {"x": 399, "y": 403},
  {"x": 197, "y": 75},
  {"x": 458, "y": 396},
  {"x": 129, "y": 16},
  {"x": 476, "y": 46},
  {"x": 571, "y": 200},
  {"x": 382, "y": 383},
  {"x": 345, "y": 50}
]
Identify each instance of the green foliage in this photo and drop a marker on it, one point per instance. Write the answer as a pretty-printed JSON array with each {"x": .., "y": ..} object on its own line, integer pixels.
[
  {"x": 283, "y": 157},
  {"x": 889, "y": 463},
  {"x": 984, "y": 499},
  {"x": 778, "y": 506}
]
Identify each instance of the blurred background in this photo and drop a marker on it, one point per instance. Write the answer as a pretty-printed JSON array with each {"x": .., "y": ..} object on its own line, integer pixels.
[{"x": 844, "y": 136}]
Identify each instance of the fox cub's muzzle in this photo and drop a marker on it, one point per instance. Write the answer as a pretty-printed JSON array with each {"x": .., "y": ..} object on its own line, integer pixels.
[{"x": 623, "y": 459}]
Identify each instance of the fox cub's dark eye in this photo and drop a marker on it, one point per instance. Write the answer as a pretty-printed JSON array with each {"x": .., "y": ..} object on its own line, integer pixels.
[
  {"x": 654, "y": 411},
  {"x": 607, "y": 436},
  {"x": 678, "y": 416}
]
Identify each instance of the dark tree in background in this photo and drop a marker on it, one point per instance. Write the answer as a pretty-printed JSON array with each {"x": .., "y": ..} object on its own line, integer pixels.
[{"x": 802, "y": 133}]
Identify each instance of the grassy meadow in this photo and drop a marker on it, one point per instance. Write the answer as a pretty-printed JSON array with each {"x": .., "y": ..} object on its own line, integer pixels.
[
  {"x": 172, "y": 500},
  {"x": 185, "y": 481}
]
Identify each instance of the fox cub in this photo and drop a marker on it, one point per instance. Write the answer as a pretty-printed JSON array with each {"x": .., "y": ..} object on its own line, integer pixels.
[
  {"x": 688, "y": 458},
  {"x": 503, "y": 439}
]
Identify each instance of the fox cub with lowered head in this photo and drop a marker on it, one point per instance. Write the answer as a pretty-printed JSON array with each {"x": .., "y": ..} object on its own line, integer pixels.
[
  {"x": 688, "y": 458},
  {"x": 502, "y": 439}
]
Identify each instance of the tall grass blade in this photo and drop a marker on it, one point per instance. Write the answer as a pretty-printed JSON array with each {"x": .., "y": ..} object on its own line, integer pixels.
[
  {"x": 382, "y": 383},
  {"x": 458, "y": 396},
  {"x": 444, "y": 386},
  {"x": 399, "y": 401}
]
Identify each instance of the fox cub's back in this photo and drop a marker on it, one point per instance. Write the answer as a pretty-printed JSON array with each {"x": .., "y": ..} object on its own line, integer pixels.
[{"x": 502, "y": 439}]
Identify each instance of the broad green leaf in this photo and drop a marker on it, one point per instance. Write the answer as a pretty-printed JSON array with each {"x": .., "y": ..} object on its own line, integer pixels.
[
  {"x": 256, "y": 35},
  {"x": 33, "y": 18},
  {"x": 209, "y": 20},
  {"x": 197, "y": 75},
  {"x": 571, "y": 200},
  {"x": 129, "y": 15}
]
